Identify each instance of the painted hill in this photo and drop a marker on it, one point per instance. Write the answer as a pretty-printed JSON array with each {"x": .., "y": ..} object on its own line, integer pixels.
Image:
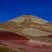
[
  {"x": 28, "y": 25},
  {"x": 36, "y": 31}
]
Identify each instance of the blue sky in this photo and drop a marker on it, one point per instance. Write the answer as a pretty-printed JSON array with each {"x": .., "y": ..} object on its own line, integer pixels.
[{"x": 11, "y": 8}]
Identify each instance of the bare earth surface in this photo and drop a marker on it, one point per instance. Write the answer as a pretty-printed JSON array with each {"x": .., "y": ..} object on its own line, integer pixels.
[
  {"x": 32, "y": 34},
  {"x": 16, "y": 41}
]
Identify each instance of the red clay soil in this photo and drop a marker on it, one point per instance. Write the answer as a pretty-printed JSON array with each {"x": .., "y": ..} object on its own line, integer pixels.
[
  {"x": 6, "y": 35},
  {"x": 50, "y": 36}
]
